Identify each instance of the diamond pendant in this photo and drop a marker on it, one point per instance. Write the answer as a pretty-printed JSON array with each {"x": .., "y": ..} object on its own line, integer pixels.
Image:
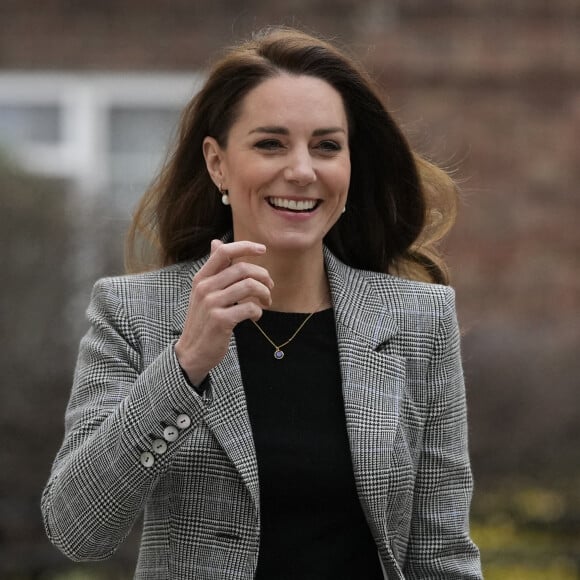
[{"x": 278, "y": 354}]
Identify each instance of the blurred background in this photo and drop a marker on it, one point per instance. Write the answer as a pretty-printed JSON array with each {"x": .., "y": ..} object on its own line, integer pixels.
[{"x": 90, "y": 93}]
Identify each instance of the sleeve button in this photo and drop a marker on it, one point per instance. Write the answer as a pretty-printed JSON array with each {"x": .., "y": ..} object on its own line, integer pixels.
[
  {"x": 147, "y": 459},
  {"x": 170, "y": 434},
  {"x": 159, "y": 446},
  {"x": 183, "y": 421}
]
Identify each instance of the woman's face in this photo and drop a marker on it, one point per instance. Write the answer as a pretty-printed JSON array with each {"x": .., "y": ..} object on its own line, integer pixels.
[{"x": 286, "y": 164}]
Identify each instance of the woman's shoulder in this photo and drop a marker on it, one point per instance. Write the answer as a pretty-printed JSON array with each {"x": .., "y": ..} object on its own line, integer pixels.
[
  {"x": 146, "y": 291},
  {"x": 391, "y": 283},
  {"x": 153, "y": 276},
  {"x": 141, "y": 281},
  {"x": 412, "y": 296},
  {"x": 402, "y": 297}
]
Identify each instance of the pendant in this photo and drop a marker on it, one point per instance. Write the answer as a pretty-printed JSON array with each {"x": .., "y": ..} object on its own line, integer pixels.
[{"x": 278, "y": 354}]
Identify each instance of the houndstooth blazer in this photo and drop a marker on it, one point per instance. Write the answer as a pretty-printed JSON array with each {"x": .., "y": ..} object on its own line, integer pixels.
[{"x": 139, "y": 439}]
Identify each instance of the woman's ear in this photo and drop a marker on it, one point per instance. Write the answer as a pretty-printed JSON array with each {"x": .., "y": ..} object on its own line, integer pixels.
[{"x": 212, "y": 153}]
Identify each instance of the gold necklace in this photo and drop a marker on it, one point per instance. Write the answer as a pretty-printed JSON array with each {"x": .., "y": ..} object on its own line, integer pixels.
[{"x": 279, "y": 353}]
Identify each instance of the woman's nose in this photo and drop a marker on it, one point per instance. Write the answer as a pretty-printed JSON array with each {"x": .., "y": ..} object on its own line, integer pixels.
[{"x": 300, "y": 169}]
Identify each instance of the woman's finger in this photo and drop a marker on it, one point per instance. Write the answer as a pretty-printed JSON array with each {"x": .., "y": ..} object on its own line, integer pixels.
[
  {"x": 222, "y": 255},
  {"x": 235, "y": 273},
  {"x": 242, "y": 291}
]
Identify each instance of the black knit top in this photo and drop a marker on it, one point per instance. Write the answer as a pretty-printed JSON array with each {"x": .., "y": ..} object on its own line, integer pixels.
[{"x": 313, "y": 526}]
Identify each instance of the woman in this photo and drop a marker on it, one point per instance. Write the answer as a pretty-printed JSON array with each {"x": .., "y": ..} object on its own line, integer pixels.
[{"x": 275, "y": 399}]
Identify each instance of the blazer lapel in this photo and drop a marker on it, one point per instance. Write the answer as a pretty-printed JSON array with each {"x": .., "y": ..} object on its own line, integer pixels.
[
  {"x": 373, "y": 385},
  {"x": 372, "y": 382},
  {"x": 227, "y": 417},
  {"x": 226, "y": 413}
]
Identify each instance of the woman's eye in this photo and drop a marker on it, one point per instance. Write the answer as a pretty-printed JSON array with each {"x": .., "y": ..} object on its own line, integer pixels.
[
  {"x": 329, "y": 146},
  {"x": 268, "y": 144}
]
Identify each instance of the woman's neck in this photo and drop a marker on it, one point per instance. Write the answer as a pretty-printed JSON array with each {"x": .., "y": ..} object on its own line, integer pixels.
[{"x": 300, "y": 282}]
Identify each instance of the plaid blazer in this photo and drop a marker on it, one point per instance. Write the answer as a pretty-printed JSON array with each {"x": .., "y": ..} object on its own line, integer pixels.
[{"x": 138, "y": 439}]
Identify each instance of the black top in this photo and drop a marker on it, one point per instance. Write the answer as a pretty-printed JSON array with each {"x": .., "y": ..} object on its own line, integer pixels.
[{"x": 313, "y": 526}]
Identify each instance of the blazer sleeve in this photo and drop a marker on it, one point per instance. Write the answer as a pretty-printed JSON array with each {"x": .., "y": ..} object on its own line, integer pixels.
[
  {"x": 439, "y": 544},
  {"x": 98, "y": 484}
]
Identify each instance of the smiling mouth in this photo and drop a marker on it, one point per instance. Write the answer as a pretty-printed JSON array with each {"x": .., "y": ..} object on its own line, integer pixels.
[{"x": 302, "y": 206}]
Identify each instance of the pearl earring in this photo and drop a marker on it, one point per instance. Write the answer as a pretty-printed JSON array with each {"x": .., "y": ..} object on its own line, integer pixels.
[{"x": 224, "y": 192}]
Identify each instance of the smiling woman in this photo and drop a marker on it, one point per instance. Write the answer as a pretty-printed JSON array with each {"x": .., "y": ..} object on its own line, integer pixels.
[
  {"x": 286, "y": 166},
  {"x": 274, "y": 398},
  {"x": 400, "y": 205}
]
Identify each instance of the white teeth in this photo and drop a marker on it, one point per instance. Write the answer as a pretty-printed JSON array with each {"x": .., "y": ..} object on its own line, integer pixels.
[{"x": 293, "y": 204}]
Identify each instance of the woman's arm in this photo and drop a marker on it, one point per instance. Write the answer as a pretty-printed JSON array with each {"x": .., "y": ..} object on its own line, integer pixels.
[
  {"x": 116, "y": 445},
  {"x": 439, "y": 544},
  {"x": 107, "y": 467}
]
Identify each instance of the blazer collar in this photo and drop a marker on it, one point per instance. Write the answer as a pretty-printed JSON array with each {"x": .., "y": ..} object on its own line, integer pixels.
[
  {"x": 356, "y": 304},
  {"x": 373, "y": 384},
  {"x": 225, "y": 409}
]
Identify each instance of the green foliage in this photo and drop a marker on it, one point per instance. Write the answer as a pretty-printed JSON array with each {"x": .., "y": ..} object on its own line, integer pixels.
[{"x": 527, "y": 531}]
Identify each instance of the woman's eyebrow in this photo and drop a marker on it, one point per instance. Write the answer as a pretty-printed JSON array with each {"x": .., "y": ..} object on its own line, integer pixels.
[
  {"x": 272, "y": 129},
  {"x": 284, "y": 131},
  {"x": 328, "y": 131}
]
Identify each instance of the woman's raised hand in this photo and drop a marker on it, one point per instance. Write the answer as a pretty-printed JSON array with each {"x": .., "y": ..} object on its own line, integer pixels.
[{"x": 223, "y": 293}]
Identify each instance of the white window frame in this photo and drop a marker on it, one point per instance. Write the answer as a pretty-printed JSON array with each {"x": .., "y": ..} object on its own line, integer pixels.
[{"x": 85, "y": 101}]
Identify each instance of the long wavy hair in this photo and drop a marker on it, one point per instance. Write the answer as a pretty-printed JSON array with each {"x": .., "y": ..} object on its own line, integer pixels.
[{"x": 399, "y": 204}]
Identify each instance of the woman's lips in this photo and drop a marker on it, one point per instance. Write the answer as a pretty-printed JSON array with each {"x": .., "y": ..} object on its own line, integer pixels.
[{"x": 294, "y": 205}]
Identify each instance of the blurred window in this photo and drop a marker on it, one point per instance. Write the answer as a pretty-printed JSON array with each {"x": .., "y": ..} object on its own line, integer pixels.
[
  {"x": 138, "y": 141},
  {"x": 106, "y": 134},
  {"x": 21, "y": 124},
  {"x": 144, "y": 130}
]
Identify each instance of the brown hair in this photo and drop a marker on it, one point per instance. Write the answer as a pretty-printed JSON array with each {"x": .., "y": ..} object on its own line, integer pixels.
[{"x": 399, "y": 205}]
